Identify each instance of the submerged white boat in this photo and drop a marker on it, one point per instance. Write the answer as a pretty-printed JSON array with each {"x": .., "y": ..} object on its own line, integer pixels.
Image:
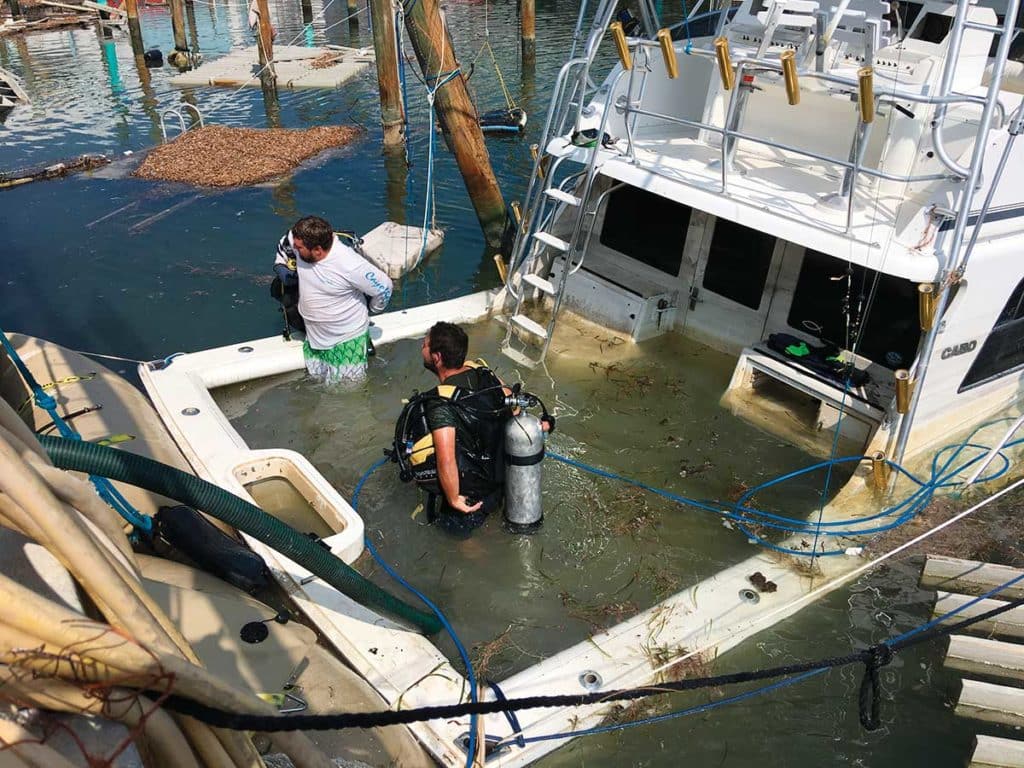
[{"x": 815, "y": 192}]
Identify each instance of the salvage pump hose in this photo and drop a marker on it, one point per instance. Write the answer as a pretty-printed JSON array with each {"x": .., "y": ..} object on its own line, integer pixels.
[{"x": 187, "y": 489}]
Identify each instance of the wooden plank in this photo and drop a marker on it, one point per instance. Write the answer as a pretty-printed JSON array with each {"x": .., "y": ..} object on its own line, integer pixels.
[
  {"x": 981, "y": 656},
  {"x": 1009, "y": 624},
  {"x": 970, "y": 577},
  {"x": 993, "y": 703},
  {"x": 993, "y": 752}
]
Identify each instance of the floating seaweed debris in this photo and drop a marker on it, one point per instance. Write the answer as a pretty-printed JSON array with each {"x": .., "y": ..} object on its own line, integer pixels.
[{"x": 220, "y": 156}]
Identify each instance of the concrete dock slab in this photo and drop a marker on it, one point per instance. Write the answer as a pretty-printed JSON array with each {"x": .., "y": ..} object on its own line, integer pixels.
[{"x": 296, "y": 67}]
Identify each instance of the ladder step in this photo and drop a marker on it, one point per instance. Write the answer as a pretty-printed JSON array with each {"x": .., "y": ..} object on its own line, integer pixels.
[
  {"x": 531, "y": 326},
  {"x": 562, "y": 196},
  {"x": 540, "y": 283},
  {"x": 519, "y": 358},
  {"x": 555, "y": 242}
]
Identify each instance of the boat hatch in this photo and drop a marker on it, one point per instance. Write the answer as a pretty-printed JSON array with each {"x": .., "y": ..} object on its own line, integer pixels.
[
  {"x": 280, "y": 488},
  {"x": 803, "y": 407}
]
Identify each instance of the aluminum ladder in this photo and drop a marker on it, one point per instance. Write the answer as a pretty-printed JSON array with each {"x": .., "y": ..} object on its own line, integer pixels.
[{"x": 545, "y": 201}]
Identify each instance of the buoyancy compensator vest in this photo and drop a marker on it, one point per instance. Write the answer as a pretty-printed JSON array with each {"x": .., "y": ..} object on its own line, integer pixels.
[{"x": 481, "y": 412}]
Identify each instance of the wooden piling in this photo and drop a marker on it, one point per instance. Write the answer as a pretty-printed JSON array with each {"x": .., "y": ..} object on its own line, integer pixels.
[
  {"x": 353, "y": 7},
  {"x": 528, "y": 24},
  {"x": 15, "y": 9},
  {"x": 178, "y": 24},
  {"x": 266, "y": 35},
  {"x": 385, "y": 47},
  {"x": 458, "y": 115},
  {"x": 131, "y": 8}
]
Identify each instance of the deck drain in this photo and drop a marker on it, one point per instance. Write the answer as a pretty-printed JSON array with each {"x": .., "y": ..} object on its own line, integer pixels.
[
  {"x": 245, "y": 349},
  {"x": 190, "y": 411},
  {"x": 591, "y": 680},
  {"x": 749, "y": 596}
]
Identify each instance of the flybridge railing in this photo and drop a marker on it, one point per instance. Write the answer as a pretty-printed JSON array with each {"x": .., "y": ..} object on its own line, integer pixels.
[
  {"x": 577, "y": 71},
  {"x": 853, "y": 163}
]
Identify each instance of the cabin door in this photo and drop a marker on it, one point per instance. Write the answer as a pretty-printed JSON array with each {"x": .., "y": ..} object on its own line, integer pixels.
[{"x": 729, "y": 275}]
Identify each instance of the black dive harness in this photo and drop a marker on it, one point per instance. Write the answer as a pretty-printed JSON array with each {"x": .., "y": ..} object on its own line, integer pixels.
[{"x": 484, "y": 412}]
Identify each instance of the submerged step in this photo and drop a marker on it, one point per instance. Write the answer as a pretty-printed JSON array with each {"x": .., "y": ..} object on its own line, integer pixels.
[
  {"x": 993, "y": 703},
  {"x": 981, "y": 656},
  {"x": 971, "y": 577},
  {"x": 539, "y": 283},
  {"x": 994, "y": 752},
  {"x": 1009, "y": 624},
  {"x": 531, "y": 326},
  {"x": 550, "y": 240},
  {"x": 562, "y": 196},
  {"x": 519, "y": 358}
]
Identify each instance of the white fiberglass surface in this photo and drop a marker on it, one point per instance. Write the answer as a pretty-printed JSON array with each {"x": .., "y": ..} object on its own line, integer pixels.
[{"x": 606, "y": 550}]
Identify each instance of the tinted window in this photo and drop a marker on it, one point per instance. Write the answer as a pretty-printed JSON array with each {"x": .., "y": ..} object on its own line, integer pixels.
[
  {"x": 1003, "y": 350},
  {"x": 886, "y": 305},
  {"x": 738, "y": 263},
  {"x": 646, "y": 227},
  {"x": 933, "y": 28}
]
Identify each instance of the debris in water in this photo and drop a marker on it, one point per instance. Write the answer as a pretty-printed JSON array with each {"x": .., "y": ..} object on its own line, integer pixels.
[
  {"x": 219, "y": 156},
  {"x": 56, "y": 170}
]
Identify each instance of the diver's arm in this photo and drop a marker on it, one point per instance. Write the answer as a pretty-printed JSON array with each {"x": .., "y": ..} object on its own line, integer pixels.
[{"x": 448, "y": 470}]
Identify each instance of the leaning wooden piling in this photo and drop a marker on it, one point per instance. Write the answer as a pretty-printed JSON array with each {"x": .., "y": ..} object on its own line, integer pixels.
[
  {"x": 385, "y": 48},
  {"x": 458, "y": 116}
]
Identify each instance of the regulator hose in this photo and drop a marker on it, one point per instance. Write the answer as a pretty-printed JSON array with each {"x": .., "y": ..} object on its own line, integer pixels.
[{"x": 184, "y": 488}]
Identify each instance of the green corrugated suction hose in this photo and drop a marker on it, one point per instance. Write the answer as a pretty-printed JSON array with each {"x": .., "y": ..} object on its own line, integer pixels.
[{"x": 188, "y": 489}]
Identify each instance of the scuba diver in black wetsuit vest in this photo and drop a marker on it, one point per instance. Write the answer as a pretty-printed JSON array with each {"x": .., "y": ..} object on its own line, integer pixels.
[{"x": 450, "y": 440}]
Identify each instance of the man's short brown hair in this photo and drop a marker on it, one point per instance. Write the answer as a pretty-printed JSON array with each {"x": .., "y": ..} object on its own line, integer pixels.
[
  {"x": 450, "y": 342},
  {"x": 314, "y": 232}
]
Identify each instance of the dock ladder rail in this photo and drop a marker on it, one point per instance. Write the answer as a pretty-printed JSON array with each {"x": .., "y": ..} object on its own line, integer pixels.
[
  {"x": 545, "y": 199},
  {"x": 177, "y": 111}
]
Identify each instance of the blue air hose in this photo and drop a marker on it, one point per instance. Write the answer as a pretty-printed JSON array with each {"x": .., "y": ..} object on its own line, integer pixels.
[{"x": 470, "y": 674}]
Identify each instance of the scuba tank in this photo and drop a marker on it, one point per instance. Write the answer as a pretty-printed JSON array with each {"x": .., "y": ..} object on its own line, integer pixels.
[
  {"x": 511, "y": 454},
  {"x": 524, "y": 452}
]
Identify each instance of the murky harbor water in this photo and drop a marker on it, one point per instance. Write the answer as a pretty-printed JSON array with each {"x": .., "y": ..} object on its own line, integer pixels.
[
  {"x": 648, "y": 412},
  {"x": 112, "y": 264}
]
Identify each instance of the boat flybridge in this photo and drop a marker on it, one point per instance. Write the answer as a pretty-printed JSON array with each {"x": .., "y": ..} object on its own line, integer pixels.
[
  {"x": 831, "y": 173},
  {"x": 813, "y": 190}
]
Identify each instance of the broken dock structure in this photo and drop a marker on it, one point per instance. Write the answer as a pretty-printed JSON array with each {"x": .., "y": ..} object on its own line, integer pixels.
[{"x": 992, "y": 650}]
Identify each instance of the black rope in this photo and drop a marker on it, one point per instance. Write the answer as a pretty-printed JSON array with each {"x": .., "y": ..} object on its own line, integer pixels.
[
  {"x": 870, "y": 689},
  {"x": 873, "y": 658}
]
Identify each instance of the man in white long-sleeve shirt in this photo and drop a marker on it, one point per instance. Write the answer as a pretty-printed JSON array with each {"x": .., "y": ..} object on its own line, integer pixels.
[{"x": 335, "y": 285}]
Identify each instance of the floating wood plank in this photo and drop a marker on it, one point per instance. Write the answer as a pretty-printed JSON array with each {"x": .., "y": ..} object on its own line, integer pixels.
[
  {"x": 1009, "y": 624},
  {"x": 981, "y": 656},
  {"x": 970, "y": 577},
  {"x": 993, "y": 752},
  {"x": 993, "y": 703}
]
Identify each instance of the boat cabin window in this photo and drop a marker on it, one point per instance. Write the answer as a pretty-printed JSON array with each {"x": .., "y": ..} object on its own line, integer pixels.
[
  {"x": 932, "y": 28},
  {"x": 901, "y": 16},
  {"x": 738, "y": 263},
  {"x": 829, "y": 304},
  {"x": 1003, "y": 350},
  {"x": 646, "y": 227}
]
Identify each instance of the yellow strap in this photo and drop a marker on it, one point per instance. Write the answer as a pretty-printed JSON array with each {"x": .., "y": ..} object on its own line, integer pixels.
[
  {"x": 57, "y": 383},
  {"x": 277, "y": 699},
  {"x": 120, "y": 437}
]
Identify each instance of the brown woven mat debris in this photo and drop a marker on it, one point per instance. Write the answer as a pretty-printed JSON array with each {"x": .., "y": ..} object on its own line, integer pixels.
[
  {"x": 325, "y": 60},
  {"x": 219, "y": 156}
]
